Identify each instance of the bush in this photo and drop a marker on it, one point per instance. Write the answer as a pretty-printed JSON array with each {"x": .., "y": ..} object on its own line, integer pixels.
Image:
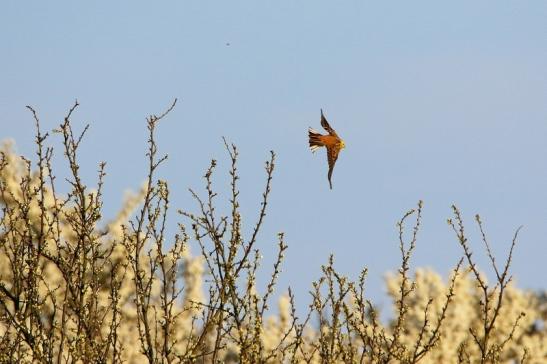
[{"x": 74, "y": 288}]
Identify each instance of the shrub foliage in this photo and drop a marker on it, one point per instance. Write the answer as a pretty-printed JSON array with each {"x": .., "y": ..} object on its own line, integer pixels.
[{"x": 77, "y": 289}]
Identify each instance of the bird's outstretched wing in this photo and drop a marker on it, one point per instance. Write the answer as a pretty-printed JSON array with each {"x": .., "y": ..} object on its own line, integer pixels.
[
  {"x": 332, "y": 155},
  {"x": 326, "y": 126}
]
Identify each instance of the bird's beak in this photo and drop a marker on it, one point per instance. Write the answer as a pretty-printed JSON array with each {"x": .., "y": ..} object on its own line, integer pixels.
[{"x": 343, "y": 144}]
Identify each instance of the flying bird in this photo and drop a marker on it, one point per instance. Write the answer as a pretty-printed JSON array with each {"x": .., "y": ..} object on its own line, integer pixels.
[{"x": 332, "y": 142}]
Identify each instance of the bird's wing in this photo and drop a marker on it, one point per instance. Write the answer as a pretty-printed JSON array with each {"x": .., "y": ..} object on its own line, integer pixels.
[
  {"x": 332, "y": 154},
  {"x": 326, "y": 126}
]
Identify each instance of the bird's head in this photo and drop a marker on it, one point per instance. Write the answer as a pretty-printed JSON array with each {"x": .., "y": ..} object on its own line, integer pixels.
[{"x": 342, "y": 144}]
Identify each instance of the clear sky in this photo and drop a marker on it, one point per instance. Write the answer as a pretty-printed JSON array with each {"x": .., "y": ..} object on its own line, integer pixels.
[{"x": 445, "y": 102}]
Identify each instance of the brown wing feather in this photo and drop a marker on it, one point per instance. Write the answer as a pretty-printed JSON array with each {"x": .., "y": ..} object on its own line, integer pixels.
[
  {"x": 326, "y": 126},
  {"x": 332, "y": 155}
]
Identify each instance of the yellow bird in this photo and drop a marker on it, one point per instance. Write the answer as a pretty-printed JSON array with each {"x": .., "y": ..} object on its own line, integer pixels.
[{"x": 332, "y": 142}]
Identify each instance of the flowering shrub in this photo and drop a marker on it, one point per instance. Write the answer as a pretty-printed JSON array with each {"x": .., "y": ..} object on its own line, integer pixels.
[{"x": 74, "y": 288}]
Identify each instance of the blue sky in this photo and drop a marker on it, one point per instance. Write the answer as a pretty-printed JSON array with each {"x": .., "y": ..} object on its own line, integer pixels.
[{"x": 436, "y": 101}]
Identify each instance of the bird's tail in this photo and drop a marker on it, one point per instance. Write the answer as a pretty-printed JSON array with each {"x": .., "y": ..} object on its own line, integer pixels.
[{"x": 315, "y": 141}]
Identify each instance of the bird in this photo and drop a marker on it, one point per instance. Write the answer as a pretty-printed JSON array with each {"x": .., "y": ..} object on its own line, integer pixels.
[{"x": 332, "y": 142}]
